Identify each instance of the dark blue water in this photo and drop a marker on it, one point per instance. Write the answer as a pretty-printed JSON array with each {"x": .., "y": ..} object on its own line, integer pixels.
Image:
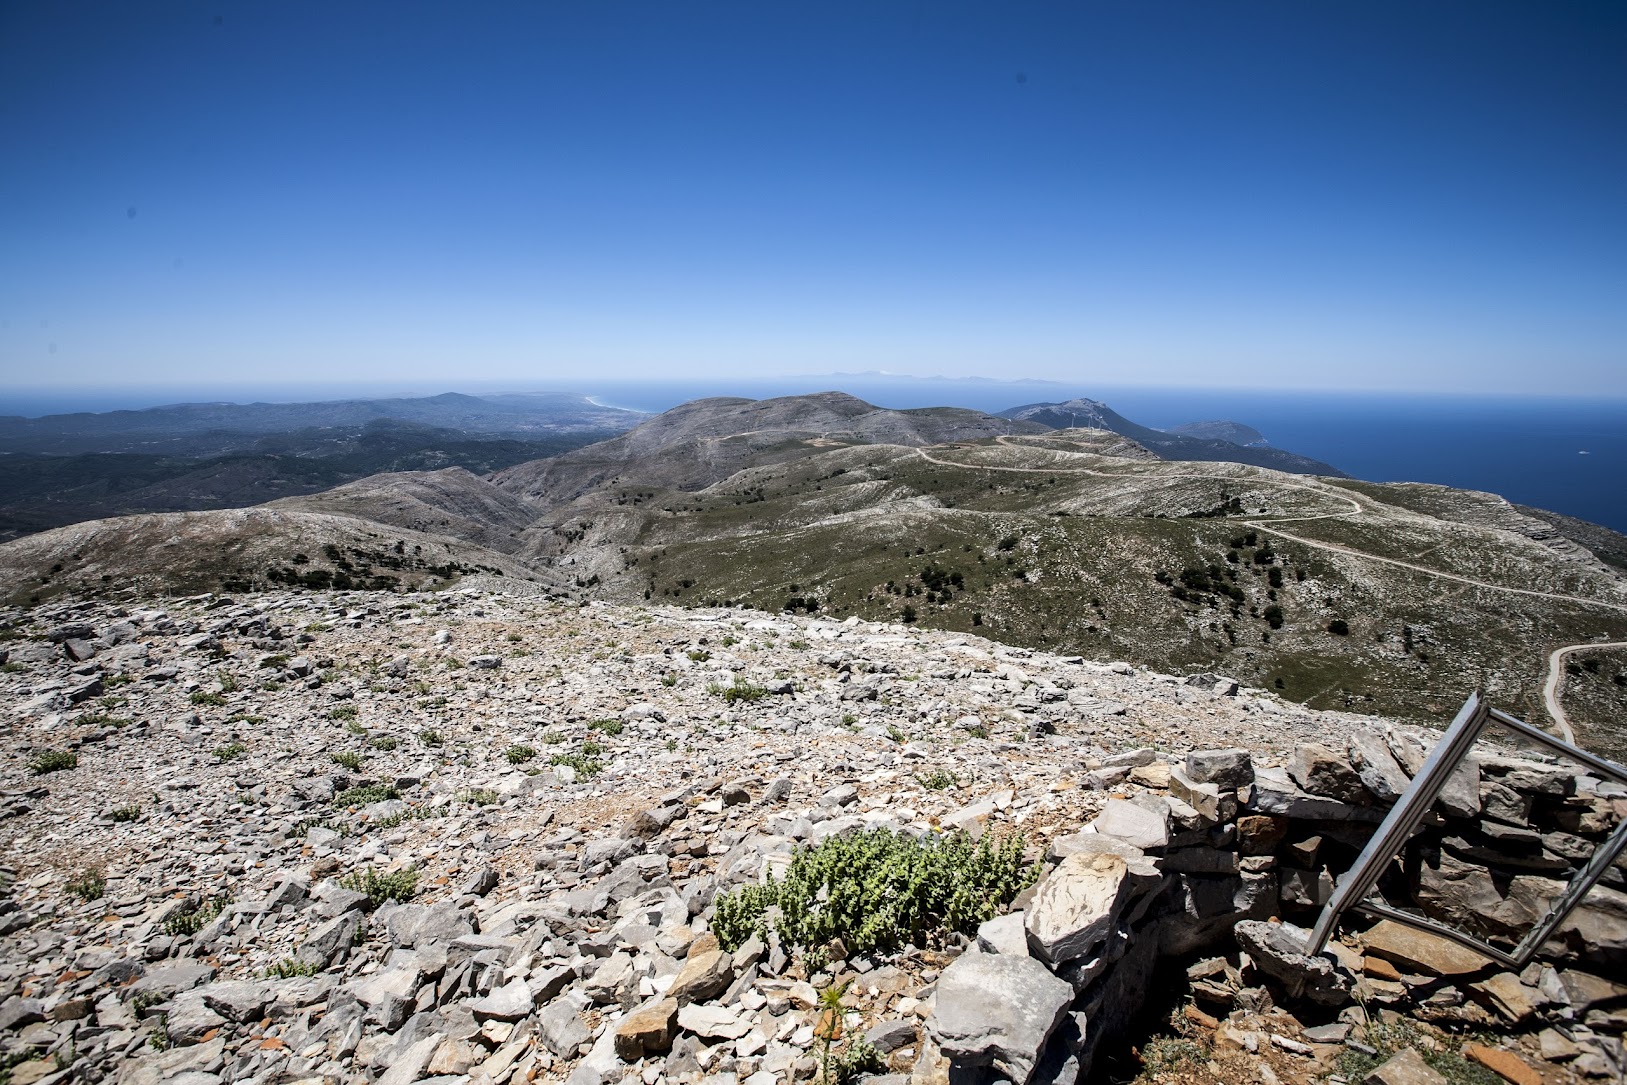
[{"x": 1564, "y": 454}]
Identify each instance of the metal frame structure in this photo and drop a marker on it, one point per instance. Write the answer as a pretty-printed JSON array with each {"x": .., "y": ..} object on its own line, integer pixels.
[{"x": 1355, "y": 886}]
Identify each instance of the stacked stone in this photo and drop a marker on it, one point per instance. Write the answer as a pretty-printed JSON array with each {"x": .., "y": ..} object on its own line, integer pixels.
[{"x": 1227, "y": 846}]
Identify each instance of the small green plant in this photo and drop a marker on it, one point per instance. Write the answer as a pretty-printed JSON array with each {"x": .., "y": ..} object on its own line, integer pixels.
[
  {"x": 291, "y": 968},
  {"x": 878, "y": 890},
  {"x": 230, "y": 752},
  {"x": 669, "y": 679},
  {"x": 672, "y": 744},
  {"x": 207, "y": 697},
  {"x": 1388, "y": 1039},
  {"x": 158, "y": 1039},
  {"x": 698, "y": 655},
  {"x": 591, "y": 748},
  {"x": 347, "y": 759},
  {"x": 122, "y": 814},
  {"x": 478, "y": 796},
  {"x": 431, "y": 738},
  {"x": 741, "y": 689},
  {"x": 363, "y": 796},
  {"x": 87, "y": 885},
  {"x": 799, "y": 645},
  {"x": 384, "y": 742},
  {"x": 897, "y": 735},
  {"x": 1166, "y": 1056},
  {"x": 938, "y": 780},
  {"x": 343, "y": 712},
  {"x": 274, "y": 661},
  {"x": 102, "y": 719},
  {"x": 53, "y": 761},
  {"x": 196, "y": 915},
  {"x": 228, "y": 684},
  {"x": 585, "y": 767},
  {"x": 519, "y": 754},
  {"x": 514, "y": 638},
  {"x": 379, "y": 886},
  {"x": 355, "y": 728},
  {"x": 730, "y": 640},
  {"x": 840, "y": 1066},
  {"x": 608, "y": 726},
  {"x": 553, "y": 737}
]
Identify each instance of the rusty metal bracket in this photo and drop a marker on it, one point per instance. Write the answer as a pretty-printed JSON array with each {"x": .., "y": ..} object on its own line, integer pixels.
[{"x": 1355, "y": 886}]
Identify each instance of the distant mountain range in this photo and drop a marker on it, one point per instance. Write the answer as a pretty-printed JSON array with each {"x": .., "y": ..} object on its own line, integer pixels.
[
  {"x": 62, "y": 469},
  {"x": 1055, "y": 530}
]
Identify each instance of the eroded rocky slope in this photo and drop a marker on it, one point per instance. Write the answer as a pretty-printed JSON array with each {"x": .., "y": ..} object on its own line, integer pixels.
[{"x": 480, "y": 837}]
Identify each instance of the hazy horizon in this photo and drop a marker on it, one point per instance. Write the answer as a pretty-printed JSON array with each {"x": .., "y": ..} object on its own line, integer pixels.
[{"x": 1384, "y": 197}]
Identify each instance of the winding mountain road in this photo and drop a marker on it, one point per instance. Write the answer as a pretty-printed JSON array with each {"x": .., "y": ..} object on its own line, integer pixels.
[{"x": 1556, "y": 660}]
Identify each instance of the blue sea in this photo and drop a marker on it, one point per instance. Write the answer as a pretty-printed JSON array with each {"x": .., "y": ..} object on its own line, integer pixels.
[{"x": 1568, "y": 454}]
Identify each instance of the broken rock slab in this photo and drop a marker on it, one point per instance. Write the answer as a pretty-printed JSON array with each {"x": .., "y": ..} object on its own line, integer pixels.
[
  {"x": 1134, "y": 824},
  {"x": 1421, "y": 952},
  {"x": 1405, "y": 1067},
  {"x": 1081, "y": 900},
  {"x": 1278, "y": 949},
  {"x": 997, "y": 1011}
]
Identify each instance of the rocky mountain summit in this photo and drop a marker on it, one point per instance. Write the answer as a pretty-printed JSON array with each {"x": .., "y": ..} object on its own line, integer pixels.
[{"x": 490, "y": 836}]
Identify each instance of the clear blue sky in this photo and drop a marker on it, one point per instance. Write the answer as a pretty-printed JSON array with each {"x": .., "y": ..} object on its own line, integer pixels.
[{"x": 1417, "y": 195}]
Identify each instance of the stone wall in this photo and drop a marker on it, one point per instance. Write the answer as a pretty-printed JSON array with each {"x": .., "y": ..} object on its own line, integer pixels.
[{"x": 1215, "y": 851}]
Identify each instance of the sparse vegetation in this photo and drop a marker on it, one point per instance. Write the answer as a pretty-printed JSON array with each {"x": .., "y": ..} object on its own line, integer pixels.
[
  {"x": 478, "y": 796},
  {"x": 194, "y": 916},
  {"x": 608, "y": 726},
  {"x": 124, "y": 814},
  {"x": 343, "y": 712},
  {"x": 291, "y": 968},
  {"x": 519, "y": 754},
  {"x": 379, "y": 886},
  {"x": 53, "y": 761},
  {"x": 347, "y": 759},
  {"x": 207, "y": 697},
  {"x": 87, "y": 885},
  {"x": 431, "y": 738},
  {"x": 231, "y": 751},
  {"x": 741, "y": 689},
  {"x": 365, "y": 795},
  {"x": 585, "y": 765}
]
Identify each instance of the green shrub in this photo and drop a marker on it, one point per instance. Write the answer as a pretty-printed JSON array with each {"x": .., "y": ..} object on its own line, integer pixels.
[
  {"x": 195, "y": 916},
  {"x": 291, "y": 968},
  {"x": 355, "y": 728},
  {"x": 519, "y": 754},
  {"x": 380, "y": 887},
  {"x": 207, "y": 697},
  {"x": 362, "y": 796},
  {"x": 53, "y": 761},
  {"x": 553, "y": 737},
  {"x": 431, "y": 738},
  {"x": 231, "y": 751},
  {"x": 125, "y": 813},
  {"x": 586, "y": 766},
  {"x": 383, "y": 742},
  {"x": 938, "y": 781},
  {"x": 343, "y": 712},
  {"x": 608, "y": 726},
  {"x": 698, "y": 655},
  {"x": 87, "y": 885},
  {"x": 876, "y": 890},
  {"x": 740, "y": 690},
  {"x": 347, "y": 759}
]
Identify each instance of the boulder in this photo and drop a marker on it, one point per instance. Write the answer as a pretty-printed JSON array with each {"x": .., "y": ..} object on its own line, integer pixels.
[
  {"x": 647, "y": 1030},
  {"x": 997, "y": 1010},
  {"x": 706, "y": 974},
  {"x": 1376, "y": 766},
  {"x": 1134, "y": 824},
  {"x": 1320, "y": 771},
  {"x": 1278, "y": 950},
  {"x": 1080, "y": 901},
  {"x": 1212, "y": 802},
  {"x": 1228, "y": 769}
]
